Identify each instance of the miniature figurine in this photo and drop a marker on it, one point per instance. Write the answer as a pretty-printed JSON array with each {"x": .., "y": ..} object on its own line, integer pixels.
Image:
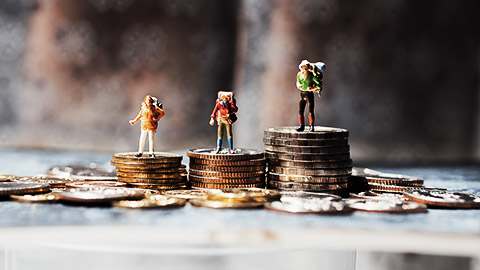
[
  {"x": 150, "y": 112},
  {"x": 224, "y": 112},
  {"x": 309, "y": 81}
]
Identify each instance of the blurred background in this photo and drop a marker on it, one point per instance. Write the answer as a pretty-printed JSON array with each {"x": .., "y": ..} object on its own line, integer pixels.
[{"x": 402, "y": 76}]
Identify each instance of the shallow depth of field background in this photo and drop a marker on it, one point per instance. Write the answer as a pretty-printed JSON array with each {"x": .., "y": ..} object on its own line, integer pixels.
[{"x": 402, "y": 76}]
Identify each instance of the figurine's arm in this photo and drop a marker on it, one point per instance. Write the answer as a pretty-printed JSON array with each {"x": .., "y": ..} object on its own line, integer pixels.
[
  {"x": 299, "y": 85},
  {"x": 134, "y": 121},
  {"x": 160, "y": 113},
  {"x": 233, "y": 106},
  {"x": 214, "y": 113}
]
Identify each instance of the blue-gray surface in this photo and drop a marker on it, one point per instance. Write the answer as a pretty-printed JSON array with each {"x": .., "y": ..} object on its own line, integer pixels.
[{"x": 23, "y": 162}]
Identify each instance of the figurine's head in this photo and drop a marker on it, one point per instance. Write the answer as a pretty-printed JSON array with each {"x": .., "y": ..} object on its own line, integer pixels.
[
  {"x": 148, "y": 100},
  {"x": 304, "y": 65},
  {"x": 320, "y": 66},
  {"x": 225, "y": 98}
]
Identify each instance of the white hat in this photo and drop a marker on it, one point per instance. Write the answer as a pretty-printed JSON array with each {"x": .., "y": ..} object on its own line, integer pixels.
[
  {"x": 320, "y": 66},
  {"x": 303, "y": 63}
]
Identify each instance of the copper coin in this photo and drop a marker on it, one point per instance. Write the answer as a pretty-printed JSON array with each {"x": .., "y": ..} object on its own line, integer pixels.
[
  {"x": 181, "y": 169},
  {"x": 308, "y": 150},
  {"x": 227, "y": 186},
  {"x": 377, "y": 177},
  {"x": 310, "y": 172},
  {"x": 226, "y": 168},
  {"x": 387, "y": 206},
  {"x": 220, "y": 180},
  {"x": 210, "y": 153},
  {"x": 37, "y": 198},
  {"x": 215, "y": 174},
  {"x": 160, "y": 157},
  {"x": 310, "y": 165},
  {"x": 157, "y": 186},
  {"x": 443, "y": 198},
  {"x": 99, "y": 194},
  {"x": 17, "y": 188},
  {"x": 145, "y": 166},
  {"x": 179, "y": 180},
  {"x": 319, "y": 133},
  {"x": 307, "y": 157},
  {"x": 308, "y": 179},
  {"x": 228, "y": 163},
  {"x": 87, "y": 184},
  {"x": 304, "y": 142},
  {"x": 149, "y": 175},
  {"x": 390, "y": 188}
]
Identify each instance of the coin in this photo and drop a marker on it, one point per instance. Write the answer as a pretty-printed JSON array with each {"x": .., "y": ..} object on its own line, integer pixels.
[
  {"x": 297, "y": 205},
  {"x": 158, "y": 186},
  {"x": 220, "y": 180},
  {"x": 308, "y": 179},
  {"x": 210, "y": 153},
  {"x": 144, "y": 166},
  {"x": 304, "y": 142},
  {"x": 307, "y": 186},
  {"x": 225, "y": 163},
  {"x": 99, "y": 194},
  {"x": 244, "y": 194},
  {"x": 310, "y": 172},
  {"x": 305, "y": 194},
  {"x": 6, "y": 177},
  {"x": 307, "y": 157},
  {"x": 310, "y": 165},
  {"x": 181, "y": 169},
  {"x": 154, "y": 201},
  {"x": 319, "y": 133},
  {"x": 52, "y": 181},
  {"x": 160, "y": 157},
  {"x": 389, "y": 188},
  {"x": 376, "y": 196},
  {"x": 83, "y": 172},
  {"x": 152, "y": 180},
  {"x": 215, "y": 174},
  {"x": 387, "y": 206},
  {"x": 377, "y": 177},
  {"x": 226, "y": 168},
  {"x": 18, "y": 188},
  {"x": 443, "y": 198},
  {"x": 86, "y": 184},
  {"x": 226, "y": 186},
  {"x": 226, "y": 204},
  {"x": 149, "y": 175},
  {"x": 41, "y": 198},
  {"x": 187, "y": 194},
  {"x": 308, "y": 150}
]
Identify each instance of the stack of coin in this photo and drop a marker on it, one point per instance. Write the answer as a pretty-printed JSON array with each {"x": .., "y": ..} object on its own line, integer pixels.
[
  {"x": 242, "y": 169},
  {"x": 367, "y": 179},
  {"x": 162, "y": 172},
  {"x": 316, "y": 161}
]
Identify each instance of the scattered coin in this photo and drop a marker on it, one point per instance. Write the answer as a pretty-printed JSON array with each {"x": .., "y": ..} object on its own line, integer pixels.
[
  {"x": 372, "y": 176},
  {"x": 443, "y": 198},
  {"x": 244, "y": 194},
  {"x": 92, "y": 172},
  {"x": 305, "y": 194},
  {"x": 297, "y": 205},
  {"x": 387, "y": 206},
  {"x": 154, "y": 201},
  {"x": 99, "y": 194},
  {"x": 40, "y": 198},
  {"x": 6, "y": 177},
  {"x": 187, "y": 194},
  {"x": 18, "y": 188},
  {"x": 390, "y": 188},
  {"x": 52, "y": 181},
  {"x": 226, "y": 204},
  {"x": 87, "y": 184},
  {"x": 376, "y": 196}
]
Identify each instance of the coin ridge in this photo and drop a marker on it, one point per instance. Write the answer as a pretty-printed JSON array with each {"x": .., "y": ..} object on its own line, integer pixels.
[{"x": 233, "y": 157}]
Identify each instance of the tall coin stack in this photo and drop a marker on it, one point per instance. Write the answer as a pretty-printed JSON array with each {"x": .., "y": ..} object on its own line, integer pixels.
[
  {"x": 242, "y": 169},
  {"x": 316, "y": 161},
  {"x": 162, "y": 172}
]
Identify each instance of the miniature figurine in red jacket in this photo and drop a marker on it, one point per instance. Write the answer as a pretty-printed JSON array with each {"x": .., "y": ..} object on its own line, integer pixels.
[
  {"x": 150, "y": 113},
  {"x": 224, "y": 113}
]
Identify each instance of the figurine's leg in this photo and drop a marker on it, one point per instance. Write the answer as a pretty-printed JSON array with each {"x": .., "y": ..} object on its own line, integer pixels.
[
  {"x": 301, "y": 109},
  {"x": 311, "y": 110},
  {"x": 151, "y": 143},
  {"x": 220, "y": 134},
  {"x": 141, "y": 143},
  {"x": 228, "y": 127}
]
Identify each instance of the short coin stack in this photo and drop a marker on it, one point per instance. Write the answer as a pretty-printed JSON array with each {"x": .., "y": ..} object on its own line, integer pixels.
[
  {"x": 364, "y": 179},
  {"x": 242, "y": 169},
  {"x": 316, "y": 161},
  {"x": 164, "y": 171}
]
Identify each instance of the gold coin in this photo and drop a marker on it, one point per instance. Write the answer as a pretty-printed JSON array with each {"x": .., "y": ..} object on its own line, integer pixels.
[
  {"x": 226, "y": 168},
  {"x": 144, "y": 166},
  {"x": 160, "y": 157},
  {"x": 131, "y": 180},
  {"x": 16, "y": 188},
  {"x": 149, "y": 175},
  {"x": 154, "y": 201},
  {"x": 187, "y": 194},
  {"x": 181, "y": 169},
  {"x": 157, "y": 186},
  {"x": 220, "y": 180},
  {"x": 227, "y": 204},
  {"x": 85, "y": 184}
]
